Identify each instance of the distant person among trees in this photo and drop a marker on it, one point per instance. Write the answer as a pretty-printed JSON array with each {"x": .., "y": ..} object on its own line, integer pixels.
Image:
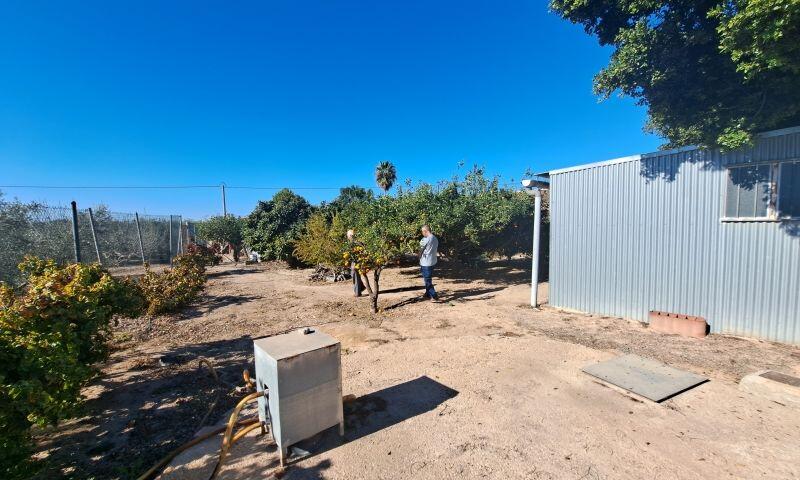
[
  {"x": 428, "y": 250},
  {"x": 358, "y": 287}
]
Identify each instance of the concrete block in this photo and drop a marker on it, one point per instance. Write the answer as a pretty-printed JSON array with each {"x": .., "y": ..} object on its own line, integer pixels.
[
  {"x": 673, "y": 323},
  {"x": 775, "y": 386}
]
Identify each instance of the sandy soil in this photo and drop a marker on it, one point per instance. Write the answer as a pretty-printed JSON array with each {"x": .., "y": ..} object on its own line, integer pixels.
[{"x": 477, "y": 386}]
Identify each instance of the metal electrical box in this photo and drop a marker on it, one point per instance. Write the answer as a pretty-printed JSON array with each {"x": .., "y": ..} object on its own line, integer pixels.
[{"x": 302, "y": 374}]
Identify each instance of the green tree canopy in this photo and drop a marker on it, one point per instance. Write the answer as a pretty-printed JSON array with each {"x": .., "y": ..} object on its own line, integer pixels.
[
  {"x": 274, "y": 225},
  {"x": 225, "y": 230},
  {"x": 347, "y": 196},
  {"x": 711, "y": 72}
]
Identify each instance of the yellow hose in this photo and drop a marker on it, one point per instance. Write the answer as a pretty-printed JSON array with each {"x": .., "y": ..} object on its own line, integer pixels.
[
  {"x": 228, "y": 439},
  {"x": 164, "y": 461}
]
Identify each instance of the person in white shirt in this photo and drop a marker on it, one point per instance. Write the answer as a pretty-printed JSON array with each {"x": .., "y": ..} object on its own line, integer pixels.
[{"x": 428, "y": 250}]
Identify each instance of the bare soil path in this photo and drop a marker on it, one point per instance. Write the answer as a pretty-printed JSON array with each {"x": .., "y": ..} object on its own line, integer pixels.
[{"x": 477, "y": 386}]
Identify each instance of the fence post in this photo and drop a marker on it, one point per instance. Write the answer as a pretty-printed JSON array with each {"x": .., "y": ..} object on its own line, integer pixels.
[
  {"x": 180, "y": 234},
  {"x": 170, "y": 239},
  {"x": 94, "y": 236},
  {"x": 75, "y": 236},
  {"x": 139, "y": 232}
]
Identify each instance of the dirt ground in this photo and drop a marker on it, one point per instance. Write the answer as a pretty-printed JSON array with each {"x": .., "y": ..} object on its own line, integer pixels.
[{"x": 477, "y": 386}]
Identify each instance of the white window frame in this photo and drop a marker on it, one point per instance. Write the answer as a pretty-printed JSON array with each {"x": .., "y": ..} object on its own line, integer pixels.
[
  {"x": 774, "y": 205},
  {"x": 772, "y": 215}
]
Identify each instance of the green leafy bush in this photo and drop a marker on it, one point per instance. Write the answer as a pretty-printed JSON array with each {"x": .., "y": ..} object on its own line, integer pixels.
[
  {"x": 209, "y": 255},
  {"x": 323, "y": 241},
  {"x": 275, "y": 225},
  {"x": 226, "y": 230},
  {"x": 51, "y": 333},
  {"x": 172, "y": 289}
]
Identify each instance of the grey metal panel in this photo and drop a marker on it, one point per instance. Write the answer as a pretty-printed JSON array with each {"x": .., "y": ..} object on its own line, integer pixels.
[
  {"x": 302, "y": 373},
  {"x": 644, "y": 376},
  {"x": 634, "y": 236}
]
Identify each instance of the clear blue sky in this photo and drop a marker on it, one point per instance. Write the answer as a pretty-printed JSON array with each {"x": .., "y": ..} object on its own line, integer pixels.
[{"x": 292, "y": 93}]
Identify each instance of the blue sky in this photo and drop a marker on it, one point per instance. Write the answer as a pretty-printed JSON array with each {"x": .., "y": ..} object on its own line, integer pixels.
[{"x": 292, "y": 93}]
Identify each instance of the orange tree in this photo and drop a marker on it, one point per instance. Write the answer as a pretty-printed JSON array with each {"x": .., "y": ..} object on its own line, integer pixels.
[{"x": 384, "y": 231}]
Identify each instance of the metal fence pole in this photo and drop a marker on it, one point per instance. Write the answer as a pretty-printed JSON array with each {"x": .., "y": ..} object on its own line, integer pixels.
[
  {"x": 75, "y": 236},
  {"x": 139, "y": 232},
  {"x": 170, "y": 239},
  {"x": 94, "y": 236},
  {"x": 180, "y": 234}
]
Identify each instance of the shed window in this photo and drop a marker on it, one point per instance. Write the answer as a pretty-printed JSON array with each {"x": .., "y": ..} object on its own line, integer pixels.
[
  {"x": 763, "y": 191},
  {"x": 789, "y": 190}
]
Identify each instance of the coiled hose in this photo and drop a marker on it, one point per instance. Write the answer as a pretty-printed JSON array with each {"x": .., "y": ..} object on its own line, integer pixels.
[{"x": 228, "y": 440}]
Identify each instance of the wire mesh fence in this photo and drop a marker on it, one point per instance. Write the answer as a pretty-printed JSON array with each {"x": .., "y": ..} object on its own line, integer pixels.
[{"x": 114, "y": 239}]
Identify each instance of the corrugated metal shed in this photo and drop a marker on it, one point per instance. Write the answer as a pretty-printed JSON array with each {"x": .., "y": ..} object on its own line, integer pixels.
[{"x": 646, "y": 233}]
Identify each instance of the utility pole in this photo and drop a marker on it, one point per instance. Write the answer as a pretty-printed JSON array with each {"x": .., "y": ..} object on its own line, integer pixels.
[{"x": 224, "y": 203}]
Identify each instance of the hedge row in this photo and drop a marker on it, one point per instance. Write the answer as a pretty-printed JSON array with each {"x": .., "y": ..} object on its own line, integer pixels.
[{"x": 55, "y": 328}]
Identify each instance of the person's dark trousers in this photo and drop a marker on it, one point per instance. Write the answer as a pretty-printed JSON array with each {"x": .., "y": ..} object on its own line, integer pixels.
[
  {"x": 427, "y": 277},
  {"x": 358, "y": 287}
]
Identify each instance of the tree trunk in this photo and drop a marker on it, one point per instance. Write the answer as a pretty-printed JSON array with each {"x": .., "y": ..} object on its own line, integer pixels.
[
  {"x": 373, "y": 293},
  {"x": 376, "y": 276}
]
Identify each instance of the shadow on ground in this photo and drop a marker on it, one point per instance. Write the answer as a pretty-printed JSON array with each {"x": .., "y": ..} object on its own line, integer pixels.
[
  {"x": 141, "y": 415},
  {"x": 374, "y": 412},
  {"x": 465, "y": 295},
  {"x": 499, "y": 272}
]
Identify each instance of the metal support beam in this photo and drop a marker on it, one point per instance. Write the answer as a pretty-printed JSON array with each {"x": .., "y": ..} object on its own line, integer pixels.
[{"x": 537, "y": 220}]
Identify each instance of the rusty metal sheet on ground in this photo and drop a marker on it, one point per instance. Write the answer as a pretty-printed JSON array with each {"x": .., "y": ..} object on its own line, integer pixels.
[{"x": 643, "y": 376}]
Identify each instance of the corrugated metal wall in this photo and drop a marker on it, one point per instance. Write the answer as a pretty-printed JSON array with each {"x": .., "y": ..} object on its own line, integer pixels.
[{"x": 641, "y": 235}]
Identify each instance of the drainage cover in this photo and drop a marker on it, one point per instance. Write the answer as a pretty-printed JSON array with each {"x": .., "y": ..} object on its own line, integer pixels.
[
  {"x": 782, "y": 377},
  {"x": 643, "y": 376}
]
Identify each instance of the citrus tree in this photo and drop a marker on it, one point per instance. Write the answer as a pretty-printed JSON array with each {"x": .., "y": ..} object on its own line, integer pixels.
[
  {"x": 323, "y": 241},
  {"x": 225, "y": 230},
  {"x": 382, "y": 235}
]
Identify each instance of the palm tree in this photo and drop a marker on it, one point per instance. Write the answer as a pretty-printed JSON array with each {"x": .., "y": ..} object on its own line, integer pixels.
[{"x": 385, "y": 175}]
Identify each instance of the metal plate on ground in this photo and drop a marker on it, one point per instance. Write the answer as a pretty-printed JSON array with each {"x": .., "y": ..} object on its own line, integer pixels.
[
  {"x": 782, "y": 378},
  {"x": 650, "y": 379}
]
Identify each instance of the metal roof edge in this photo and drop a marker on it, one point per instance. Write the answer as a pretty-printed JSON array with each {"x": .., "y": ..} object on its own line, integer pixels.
[
  {"x": 614, "y": 161},
  {"x": 632, "y": 158},
  {"x": 780, "y": 132}
]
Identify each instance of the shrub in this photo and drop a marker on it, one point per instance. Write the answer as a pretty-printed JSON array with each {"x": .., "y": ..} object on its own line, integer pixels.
[
  {"x": 51, "y": 333},
  {"x": 323, "y": 242},
  {"x": 226, "y": 230},
  {"x": 209, "y": 254},
  {"x": 172, "y": 289},
  {"x": 275, "y": 225}
]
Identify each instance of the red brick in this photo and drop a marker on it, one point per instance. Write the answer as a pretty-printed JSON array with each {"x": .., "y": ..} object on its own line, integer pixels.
[{"x": 678, "y": 324}]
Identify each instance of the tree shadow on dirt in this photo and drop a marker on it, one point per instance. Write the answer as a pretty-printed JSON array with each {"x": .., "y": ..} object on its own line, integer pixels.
[
  {"x": 403, "y": 289},
  {"x": 499, "y": 272},
  {"x": 141, "y": 414},
  {"x": 228, "y": 273},
  {"x": 211, "y": 303},
  {"x": 446, "y": 296}
]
